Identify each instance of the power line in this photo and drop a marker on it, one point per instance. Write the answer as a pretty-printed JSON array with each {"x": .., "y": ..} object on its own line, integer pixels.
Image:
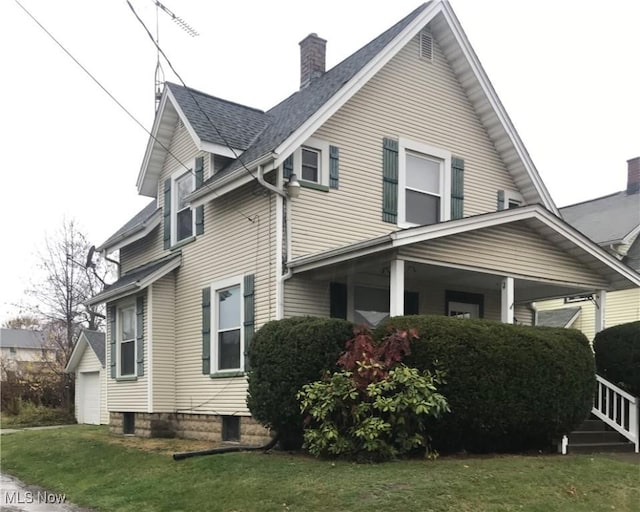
[
  {"x": 224, "y": 139},
  {"x": 118, "y": 102}
]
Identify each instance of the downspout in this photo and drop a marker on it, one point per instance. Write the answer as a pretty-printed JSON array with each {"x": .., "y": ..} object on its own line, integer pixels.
[
  {"x": 534, "y": 309},
  {"x": 284, "y": 272}
]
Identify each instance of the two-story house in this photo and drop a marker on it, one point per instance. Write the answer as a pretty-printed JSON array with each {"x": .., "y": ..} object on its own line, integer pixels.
[
  {"x": 392, "y": 183},
  {"x": 613, "y": 222}
]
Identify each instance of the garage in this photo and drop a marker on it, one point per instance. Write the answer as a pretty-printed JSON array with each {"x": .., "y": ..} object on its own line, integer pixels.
[{"x": 89, "y": 403}]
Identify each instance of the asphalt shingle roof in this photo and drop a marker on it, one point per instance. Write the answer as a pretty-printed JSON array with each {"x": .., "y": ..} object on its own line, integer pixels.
[
  {"x": 286, "y": 117},
  {"x": 235, "y": 124},
  {"x": 21, "y": 338},
  {"x": 556, "y": 317},
  {"x": 136, "y": 222},
  {"x": 137, "y": 274},
  {"x": 96, "y": 339},
  {"x": 606, "y": 219}
]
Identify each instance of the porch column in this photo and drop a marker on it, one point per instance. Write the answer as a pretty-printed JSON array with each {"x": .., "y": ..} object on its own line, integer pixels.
[
  {"x": 601, "y": 303},
  {"x": 506, "y": 309},
  {"x": 396, "y": 288}
]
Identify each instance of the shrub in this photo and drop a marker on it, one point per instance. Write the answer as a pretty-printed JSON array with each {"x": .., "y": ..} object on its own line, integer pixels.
[
  {"x": 618, "y": 355},
  {"x": 509, "y": 387},
  {"x": 374, "y": 409},
  {"x": 285, "y": 355}
]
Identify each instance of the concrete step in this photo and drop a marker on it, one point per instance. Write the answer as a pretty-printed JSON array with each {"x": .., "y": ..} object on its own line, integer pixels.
[
  {"x": 594, "y": 436},
  {"x": 592, "y": 425},
  {"x": 620, "y": 447}
]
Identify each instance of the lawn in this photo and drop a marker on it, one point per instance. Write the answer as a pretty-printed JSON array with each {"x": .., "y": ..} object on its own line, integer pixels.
[{"x": 110, "y": 473}]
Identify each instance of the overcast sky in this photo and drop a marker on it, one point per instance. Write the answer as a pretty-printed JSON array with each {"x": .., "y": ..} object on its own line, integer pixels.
[{"x": 567, "y": 72}]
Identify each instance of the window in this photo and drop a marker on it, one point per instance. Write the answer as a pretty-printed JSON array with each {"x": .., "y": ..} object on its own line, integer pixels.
[
  {"x": 509, "y": 200},
  {"x": 424, "y": 184},
  {"x": 464, "y": 305},
  {"x": 231, "y": 428},
  {"x": 127, "y": 341},
  {"x": 227, "y": 324},
  {"x": 310, "y": 165},
  {"x": 184, "y": 219},
  {"x": 371, "y": 306}
]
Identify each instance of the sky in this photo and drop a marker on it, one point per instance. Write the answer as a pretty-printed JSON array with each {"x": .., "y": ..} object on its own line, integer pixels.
[{"x": 567, "y": 72}]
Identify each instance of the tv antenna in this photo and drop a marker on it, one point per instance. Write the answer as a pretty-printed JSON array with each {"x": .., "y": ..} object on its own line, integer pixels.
[{"x": 184, "y": 26}]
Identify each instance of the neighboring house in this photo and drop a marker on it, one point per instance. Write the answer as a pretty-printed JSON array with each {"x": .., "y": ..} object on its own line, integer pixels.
[
  {"x": 87, "y": 362},
  {"x": 22, "y": 349},
  {"x": 613, "y": 222},
  {"x": 392, "y": 183}
]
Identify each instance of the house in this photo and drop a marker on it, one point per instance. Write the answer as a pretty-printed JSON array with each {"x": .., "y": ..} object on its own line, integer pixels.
[
  {"x": 613, "y": 222},
  {"x": 87, "y": 362},
  {"x": 392, "y": 183},
  {"x": 21, "y": 349}
]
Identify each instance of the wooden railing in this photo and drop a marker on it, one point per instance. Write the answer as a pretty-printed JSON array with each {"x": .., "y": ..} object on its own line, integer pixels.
[{"x": 618, "y": 409}]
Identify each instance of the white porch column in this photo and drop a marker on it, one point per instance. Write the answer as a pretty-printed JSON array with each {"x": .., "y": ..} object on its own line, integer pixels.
[
  {"x": 506, "y": 309},
  {"x": 601, "y": 308},
  {"x": 396, "y": 288}
]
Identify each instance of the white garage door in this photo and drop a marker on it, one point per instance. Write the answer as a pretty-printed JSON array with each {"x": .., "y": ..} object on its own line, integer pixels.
[{"x": 89, "y": 398}]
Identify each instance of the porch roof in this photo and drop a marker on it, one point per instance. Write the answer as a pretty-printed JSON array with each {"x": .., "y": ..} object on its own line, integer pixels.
[{"x": 554, "y": 230}]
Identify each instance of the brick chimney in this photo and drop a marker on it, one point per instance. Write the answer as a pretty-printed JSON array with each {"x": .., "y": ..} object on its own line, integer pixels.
[
  {"x": 633, "y": 175},
  {"x": 312, "y": 58}
]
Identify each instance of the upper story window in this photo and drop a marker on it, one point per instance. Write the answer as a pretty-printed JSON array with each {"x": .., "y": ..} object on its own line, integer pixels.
[
  {"x": 508, "y": 200},
  {"x": 424, "y": 184},
  {"x": 184, "y": 220},
  {"x": 310, "y": 165},
  {"x": 126, "y": 342}
]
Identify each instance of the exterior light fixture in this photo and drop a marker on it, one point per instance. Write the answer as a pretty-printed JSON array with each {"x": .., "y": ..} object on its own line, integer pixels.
[{"x": 293, "y": 187}]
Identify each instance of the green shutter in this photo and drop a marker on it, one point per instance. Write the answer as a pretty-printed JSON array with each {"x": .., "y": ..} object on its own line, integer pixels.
[
  {"x": 167, "y": 213},
  {"x": 411, "y": 303},
  {"x": 206, "y": 331},
  {"x": 249, "y": 315},
  {"x": 334, "y": 166},
  {"x": 501, "y": 200},
  {"x": 287, "y": 167},
  {"x": 390, "y": 181},
  {"x": 112, "y": 341},
  {"x": 140, "y": 335},
  {"x": 199, "y": 182},
  {"x": 457, "y": 188},
  {"x": 338, "y": 300}
]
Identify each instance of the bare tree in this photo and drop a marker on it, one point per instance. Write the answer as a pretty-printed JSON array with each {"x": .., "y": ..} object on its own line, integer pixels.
[
  {"x": 60, "y": 297},
  {"x": 28, "y": 322}
]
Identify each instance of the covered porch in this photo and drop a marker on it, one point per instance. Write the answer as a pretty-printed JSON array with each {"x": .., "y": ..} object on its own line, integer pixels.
[{"x": 493, "y": 266}]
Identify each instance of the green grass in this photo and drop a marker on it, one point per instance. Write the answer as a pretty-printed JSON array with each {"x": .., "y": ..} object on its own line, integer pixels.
[{"x": 99, "y": 471}]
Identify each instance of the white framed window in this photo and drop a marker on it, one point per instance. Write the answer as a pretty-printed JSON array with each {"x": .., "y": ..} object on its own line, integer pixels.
[
  {"x": 126, "y": 341},
  {"x": 183, "y": 219},
  {"x": 311, "y": 162},
  {"x": 424, "y": 184},
  {"x": 371, "y": 305},
  {"x": 227, "y": 312},
  {"x": 512, "y": 200}
]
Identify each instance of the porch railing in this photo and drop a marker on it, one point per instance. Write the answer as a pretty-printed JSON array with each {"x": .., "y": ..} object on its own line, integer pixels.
[{"x": 618, "y": 409}]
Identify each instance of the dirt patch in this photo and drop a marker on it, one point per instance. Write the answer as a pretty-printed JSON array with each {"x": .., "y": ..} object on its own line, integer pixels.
[{"x": 153, "y": 445}]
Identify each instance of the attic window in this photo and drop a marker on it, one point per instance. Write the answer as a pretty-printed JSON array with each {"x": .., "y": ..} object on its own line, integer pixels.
[{"x": 426, "y": 46}]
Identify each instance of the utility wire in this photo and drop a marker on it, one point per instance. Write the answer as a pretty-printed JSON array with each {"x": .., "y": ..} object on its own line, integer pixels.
[
  {"x": 224, "y": 139},
  {"x": 118, "y": 102}
]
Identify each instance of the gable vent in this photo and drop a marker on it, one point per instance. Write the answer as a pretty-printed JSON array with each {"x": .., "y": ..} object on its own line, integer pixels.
[
  {"x": 426, "y": 46},
  {"x": 180, "y": 123}
]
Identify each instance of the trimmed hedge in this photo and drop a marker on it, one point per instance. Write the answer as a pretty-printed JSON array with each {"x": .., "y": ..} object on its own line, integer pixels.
[
  {"x": 285, "y": 355},
  {"x": 510, "y": 387},
  {"x": 618, "y": 355}
]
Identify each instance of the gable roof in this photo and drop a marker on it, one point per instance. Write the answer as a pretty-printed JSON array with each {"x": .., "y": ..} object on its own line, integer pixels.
[
  {"x": 294, "y": 120},
  {"x": 87, "y": 338},
  {"x": 141, "y": 224},
  {"x": 607, "y": 220},
  {"x": 21, "y": 338},
  {"x": 564, "y": 317}
]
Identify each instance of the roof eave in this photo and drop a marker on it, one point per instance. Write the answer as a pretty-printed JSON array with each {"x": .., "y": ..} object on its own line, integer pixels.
[{"x": 136, "y": 233}]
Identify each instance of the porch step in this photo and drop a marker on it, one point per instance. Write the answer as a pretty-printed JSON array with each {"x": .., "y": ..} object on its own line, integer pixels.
[{"x": 595, "y": 436}]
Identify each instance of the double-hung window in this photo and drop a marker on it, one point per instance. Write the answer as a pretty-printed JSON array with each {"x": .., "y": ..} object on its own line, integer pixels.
[
  {"x": 127, "y": 341},
  {"x": 184, "y": 217},
  {"x": 311, "y": 163},
  {"x": 227, "y": 336},
  {"x": 424, "y": 184}
]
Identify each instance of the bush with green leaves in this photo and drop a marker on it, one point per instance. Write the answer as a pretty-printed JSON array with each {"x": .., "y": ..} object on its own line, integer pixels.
[
  {"x": 375, "y": 408},
  {"x": 618, "y": 355},
  {"x": 285, "y": 355},
  {"x": 510, "y": 387}
]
